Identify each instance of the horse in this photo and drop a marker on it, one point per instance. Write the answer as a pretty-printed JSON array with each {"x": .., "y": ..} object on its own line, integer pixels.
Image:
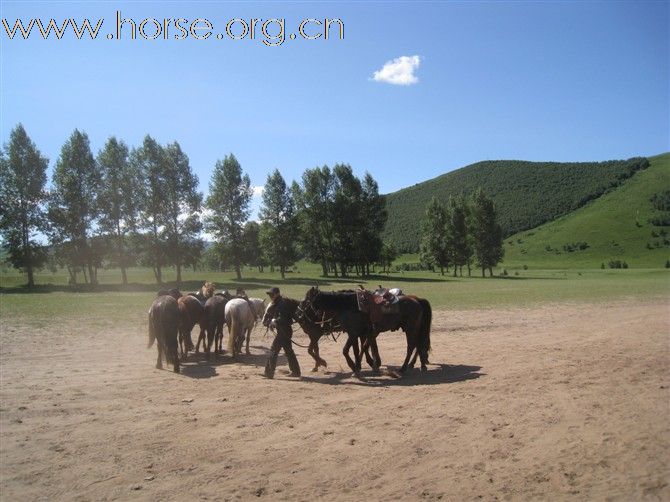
[
  {"x": 190, "y": 310},
  {"x": 342, "y": 307},
  {"x": 313, "y": 329},
  {"x": 211, "y": 322},
  {"x": 410, "y": 317},
  {"x": 163, "y": 326},
  {"x": 204, "y": 293},
  {"x": 240, "y": 319}
]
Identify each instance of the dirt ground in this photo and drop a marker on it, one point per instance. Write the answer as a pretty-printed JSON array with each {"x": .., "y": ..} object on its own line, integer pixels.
[{"x": 565, "y": 401}]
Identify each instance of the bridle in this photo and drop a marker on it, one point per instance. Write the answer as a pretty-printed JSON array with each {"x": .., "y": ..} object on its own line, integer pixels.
[{"x": 311, "y": 314}]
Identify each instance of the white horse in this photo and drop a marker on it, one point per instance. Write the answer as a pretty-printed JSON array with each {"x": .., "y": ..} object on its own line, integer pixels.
[
  {"x": 240, "y": 319},
  {"x": 258, "y": 305}
]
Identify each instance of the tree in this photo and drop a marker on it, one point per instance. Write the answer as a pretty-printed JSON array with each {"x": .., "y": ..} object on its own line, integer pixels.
[
  {"x": 347, "y": 217},
  {"x": 118, "y": 199},
  {"x": 182, "y": 205},
  {"x": 387, "y": 256},
  {"x": 253, "y": 255},
  {"x": 457, "y": 233},
  {"x": 22, "y": 195},
  {"x": 434, "y": 241},
  {"x": 374, "y": 215},
  {"x": 315, "y": 203},
  {"x": 150, "y": 161},
  {"x": 487, "y": 233},
  {"x": 73, "y": 207},
  {"x": 229, "y": 196},
  {"x": 279, "y": 231}
]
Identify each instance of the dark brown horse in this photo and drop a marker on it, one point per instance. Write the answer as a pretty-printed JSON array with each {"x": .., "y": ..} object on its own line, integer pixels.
[
  {"x": 211, "y": 322},
  {"x": 314, "y": 329},
  {"x": 164, "y": 321},
  {"x": 413, "y": 316}
]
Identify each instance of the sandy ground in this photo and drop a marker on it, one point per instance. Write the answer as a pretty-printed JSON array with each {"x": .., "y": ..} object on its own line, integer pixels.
[{"x": 554, "y": 402}]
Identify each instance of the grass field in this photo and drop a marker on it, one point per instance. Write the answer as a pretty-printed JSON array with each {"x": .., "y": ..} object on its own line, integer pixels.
[{"x": 53, "y": 299}]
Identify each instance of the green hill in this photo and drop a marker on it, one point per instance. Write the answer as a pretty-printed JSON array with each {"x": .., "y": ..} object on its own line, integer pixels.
[
  {"x": 526, "y": 194},
  {"x": 617, "y": 226}
]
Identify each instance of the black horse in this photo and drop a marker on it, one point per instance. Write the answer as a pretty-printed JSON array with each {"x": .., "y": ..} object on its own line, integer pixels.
[
  {"x": 314, "y": 323},
  {"x": 164, "y": 320},
  {"x": 413, "y": 316},
  {"x": 211, "y": 323}
]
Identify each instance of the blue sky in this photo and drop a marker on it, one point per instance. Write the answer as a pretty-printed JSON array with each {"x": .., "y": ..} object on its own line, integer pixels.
[{"x": 554, "y": 81}]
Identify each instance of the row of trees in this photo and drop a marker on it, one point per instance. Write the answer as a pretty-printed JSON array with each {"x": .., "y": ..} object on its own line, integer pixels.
[
  {"x": 464, "y": 229},
  {"x": 141, "y": 206}
]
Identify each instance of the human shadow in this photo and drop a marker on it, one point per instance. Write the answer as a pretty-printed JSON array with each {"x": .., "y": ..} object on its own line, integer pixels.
[{"x": 437, "y": 374}]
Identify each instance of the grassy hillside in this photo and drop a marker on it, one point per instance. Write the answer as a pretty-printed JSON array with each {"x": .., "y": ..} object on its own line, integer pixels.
[
  {"x": 526, "y": 194},
  {"x": 614, "y": 227}
]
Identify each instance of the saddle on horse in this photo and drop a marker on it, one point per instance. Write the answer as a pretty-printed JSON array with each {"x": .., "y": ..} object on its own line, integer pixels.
[{"x": 377, "y": 304}]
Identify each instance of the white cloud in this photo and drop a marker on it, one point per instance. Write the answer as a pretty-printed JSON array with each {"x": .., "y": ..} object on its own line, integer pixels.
[
  {"x": 257, "y": 190},
  {"x": 399, "y": 71}
]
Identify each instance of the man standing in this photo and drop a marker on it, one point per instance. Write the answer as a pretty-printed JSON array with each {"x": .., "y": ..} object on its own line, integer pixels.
[{"x": 282, "y": 322}]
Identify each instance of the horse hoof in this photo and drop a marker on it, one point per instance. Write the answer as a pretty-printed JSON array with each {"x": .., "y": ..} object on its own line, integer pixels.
[
  {"x": 248, "y": 352},
  {"x": 423, "y": 368},
  {"x": 176, "y": 369},
  {"x": 315, "y": 369}
]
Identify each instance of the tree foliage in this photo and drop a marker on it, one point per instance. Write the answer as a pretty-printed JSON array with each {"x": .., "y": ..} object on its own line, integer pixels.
[
  {"x": 22, "y": 196},
  {"x": 73, "y": 206},
  {"x": 434, "y": 248},
  {"x": 486, "y": 232},
  {"x": 228, "y": 201}
]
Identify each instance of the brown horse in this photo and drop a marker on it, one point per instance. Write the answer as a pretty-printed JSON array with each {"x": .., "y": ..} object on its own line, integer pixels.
[
  {"x": 163, "y": 326},
  {"x": 190, "y": 310}
]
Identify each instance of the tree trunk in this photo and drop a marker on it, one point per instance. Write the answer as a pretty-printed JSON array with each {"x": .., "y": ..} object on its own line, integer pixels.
[
  {"x": 483, "y": 271},
  {"x": 178, "y": 274},
  {"x": 122, "y": 254},
  {"x": 31, "y": 279},
  {"x": 282, "y": 271},
  {"x": 124, "y": 275},
  {"x": 491, "y": 271},
  {"x": 238, "y": 271},
  {"x": 454, "y": 270},
  {"x": 441, "y": 269},
  {"x": 159, "y": 274},
  {"x": 324, "y": 268}
]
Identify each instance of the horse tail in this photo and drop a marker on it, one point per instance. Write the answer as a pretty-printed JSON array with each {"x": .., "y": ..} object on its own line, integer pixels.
[
  {"x": 424, "y": 332},
  {"x": 232, "y": 331},
  {"x": 169, "y": 339},
  {"x": 152, "y": 330}
]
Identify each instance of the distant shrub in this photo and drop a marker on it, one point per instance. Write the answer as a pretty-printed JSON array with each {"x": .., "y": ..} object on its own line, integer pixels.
[
  {"x": 602, "y": 265},
  {"x": 618, "y": 264},
  {"x": 547, "y": 247},
  {"x": 660, "y": 221},
  {"x": 504, "y": 272},
  {"x": 654, "y": 234},
  {"x": 667, "y": 263},
  {"x": 525, "y": 267},
  {"x": 517, "y": 272},
  {"x": 661, "y": 200},
  {"x": 575, "y": 246}
]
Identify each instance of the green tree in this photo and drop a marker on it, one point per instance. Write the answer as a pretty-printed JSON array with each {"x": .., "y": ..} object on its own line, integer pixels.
[
  {"x": 253, "y": 255},
  {"x": 182, "y": 206},
  {"x": 457, "y": 233},
  {"x": 73, "y": 207},
  {"x": 118, "y": 200},
  {"x": 151, "y": 162},
  {"x": 373, "y": 218},
  {"x": 347, "y": 217},
  {"x": 487, "y": 233},
  {"x": 279, "y": 231},
  {"x": 228, "y": 201},
  {"x": 434, "y": 241},
  {"x": 387, "y": 256},
  {"x": 314, "y": 201},
  {"x": 22, "y": 196}
]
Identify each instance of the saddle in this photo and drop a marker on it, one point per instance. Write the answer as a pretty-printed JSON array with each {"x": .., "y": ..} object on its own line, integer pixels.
[{"x": 377, "y": 304}]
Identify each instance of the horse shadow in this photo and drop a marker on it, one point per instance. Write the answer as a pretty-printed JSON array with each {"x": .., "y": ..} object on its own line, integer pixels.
[
  {"x": 198, "y": 366},
  {"x": 437, "y": 374}
]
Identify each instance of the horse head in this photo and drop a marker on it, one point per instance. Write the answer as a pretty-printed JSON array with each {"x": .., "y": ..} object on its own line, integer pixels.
[{"x": 207, "y": 289}]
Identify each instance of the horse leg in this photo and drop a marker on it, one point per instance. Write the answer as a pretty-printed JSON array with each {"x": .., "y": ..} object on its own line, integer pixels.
[
  {"x": 311, "y": 350},
  {"x": 345, "y": 352},
  {"x": 159, "y": 361},
  {"x": 368, "y": 345},
  {"x": 249, "y": 338},
  {"x": 375, "y": 354},
  {"x": 358, "y": 354},
  {"x": 201, "y": 338},
  {"x": 411, "y": 345}
]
